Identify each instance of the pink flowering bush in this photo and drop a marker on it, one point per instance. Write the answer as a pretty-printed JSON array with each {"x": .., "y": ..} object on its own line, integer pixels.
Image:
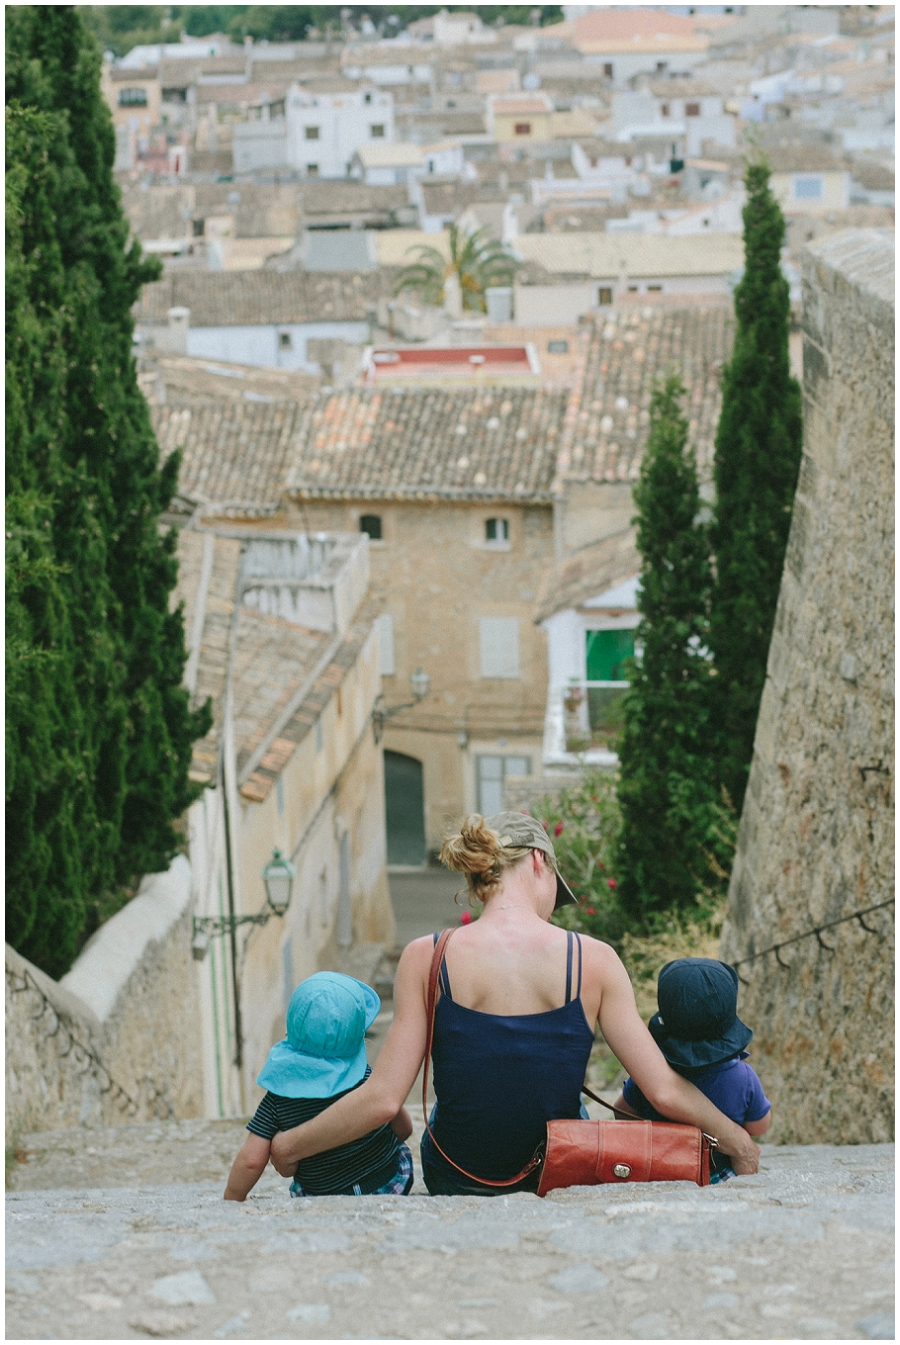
[{"x": 583, "y": 820}]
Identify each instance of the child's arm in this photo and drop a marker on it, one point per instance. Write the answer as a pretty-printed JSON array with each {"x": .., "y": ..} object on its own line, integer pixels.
[
  {"x": 622, "y": 1109},
  {"x": 761, "y": 1126},
  {"x": 402, "y": 1125},
  {"x": 248, "y": 1167}
]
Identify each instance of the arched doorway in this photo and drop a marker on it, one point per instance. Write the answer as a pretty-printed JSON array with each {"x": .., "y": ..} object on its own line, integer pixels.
[{"x": 405, "y": 808}]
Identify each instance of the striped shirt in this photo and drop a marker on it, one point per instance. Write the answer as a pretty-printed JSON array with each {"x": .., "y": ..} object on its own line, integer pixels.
[{"x": 369, "y": 1162}]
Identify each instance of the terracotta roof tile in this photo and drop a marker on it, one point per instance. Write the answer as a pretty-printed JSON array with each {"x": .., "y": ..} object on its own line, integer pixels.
[
  {"x": 608, "y": 413},
  {"x": 235, "y": 455},
  {"x": 248, "y": 298},
  {"x": 430, "y": 442}
]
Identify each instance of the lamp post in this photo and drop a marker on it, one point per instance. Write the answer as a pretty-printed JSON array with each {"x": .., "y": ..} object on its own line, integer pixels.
[
  {"x": 419, "y": 685},
  {"x": 278, "y": 877}
]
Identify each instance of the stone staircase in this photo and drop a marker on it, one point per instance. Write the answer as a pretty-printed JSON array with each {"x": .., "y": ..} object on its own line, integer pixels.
[{"x": 121, "y": 1233}]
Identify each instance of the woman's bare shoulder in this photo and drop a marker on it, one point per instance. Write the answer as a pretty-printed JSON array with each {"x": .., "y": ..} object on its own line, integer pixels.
[{"x": 599, "y": 956}]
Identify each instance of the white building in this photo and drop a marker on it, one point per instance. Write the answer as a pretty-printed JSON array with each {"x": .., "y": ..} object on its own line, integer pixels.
[
  {"x": 587, "y": 646},
  {"x": 316, "y": 134}
]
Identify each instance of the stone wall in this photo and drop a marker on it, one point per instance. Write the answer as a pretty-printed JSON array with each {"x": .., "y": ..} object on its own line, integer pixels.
[
  {"x": 117, "y": 1039},
  {"x": 815, "y": 842}
]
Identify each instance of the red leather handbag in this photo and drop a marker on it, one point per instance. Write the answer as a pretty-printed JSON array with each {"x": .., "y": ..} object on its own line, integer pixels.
[{"x": 588, "y": 1153}]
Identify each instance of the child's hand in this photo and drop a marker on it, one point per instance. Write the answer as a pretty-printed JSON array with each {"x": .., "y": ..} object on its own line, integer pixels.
[{"x": 402, "y": 1125}]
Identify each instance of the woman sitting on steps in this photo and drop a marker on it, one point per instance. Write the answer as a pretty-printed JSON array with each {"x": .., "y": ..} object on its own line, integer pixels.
[{"x": 514, "y": 1027}]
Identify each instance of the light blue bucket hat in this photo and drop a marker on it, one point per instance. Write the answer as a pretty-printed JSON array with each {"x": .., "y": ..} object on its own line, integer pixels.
[{"x": 324, "y": 1052}]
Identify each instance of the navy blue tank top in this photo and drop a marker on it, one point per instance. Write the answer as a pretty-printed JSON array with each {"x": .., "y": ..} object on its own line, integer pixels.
[{"x": 498, "y": 1080}]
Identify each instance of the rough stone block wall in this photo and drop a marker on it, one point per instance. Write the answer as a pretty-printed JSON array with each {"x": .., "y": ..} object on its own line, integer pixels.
[
  {"x": 118, "y": 1039},
  {"x": 816, "y": 835}
]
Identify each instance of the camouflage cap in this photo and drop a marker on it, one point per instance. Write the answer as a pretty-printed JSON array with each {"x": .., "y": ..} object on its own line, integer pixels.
[{"x": 519, "y": 830}]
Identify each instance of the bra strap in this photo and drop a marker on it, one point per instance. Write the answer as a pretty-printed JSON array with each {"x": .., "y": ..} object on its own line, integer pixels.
[
  {"x": 569, "y": 966},
  {"x": 580, "y": 964}
]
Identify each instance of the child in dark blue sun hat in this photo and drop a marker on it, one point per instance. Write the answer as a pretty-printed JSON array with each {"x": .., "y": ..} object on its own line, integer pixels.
[
  {"x": 699, "y": 1033},
  {"x": 322, "y": 1058}
]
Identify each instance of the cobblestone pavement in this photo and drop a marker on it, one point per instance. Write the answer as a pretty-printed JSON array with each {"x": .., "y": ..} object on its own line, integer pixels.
[{"x": 122, "y": 1233}]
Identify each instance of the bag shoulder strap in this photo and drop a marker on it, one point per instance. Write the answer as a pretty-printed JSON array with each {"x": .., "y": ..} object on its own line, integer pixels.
[{"x": 436, "y": 960}]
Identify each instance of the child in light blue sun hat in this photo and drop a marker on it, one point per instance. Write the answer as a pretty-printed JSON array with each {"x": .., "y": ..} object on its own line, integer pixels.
[{"x": 322, "y": 1058}]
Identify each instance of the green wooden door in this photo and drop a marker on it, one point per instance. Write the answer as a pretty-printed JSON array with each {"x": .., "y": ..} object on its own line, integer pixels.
[{"x": 405, "y": 808}]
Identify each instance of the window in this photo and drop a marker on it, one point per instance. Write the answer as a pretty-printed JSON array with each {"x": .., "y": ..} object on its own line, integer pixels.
[
  {"x": 557, "y": 347},
  {"x": 367, "y": 98},
  {"x": 608, "y": 70},
  {"x": 377, "y": 131},
  {"x": 370, "y": 524},
  {"x": 665, "y": 109},
  {"x": 498, "y": 638},
  {"x": 633, "y": 289},
  {"x": 496, "y": 530},
  {"x": 174, "y": 95},
  {"x": 661, "y": 65},
  {"x": 132, "y": 98},
  {"x": 312, "y": 170},
  {"x": 284, "y": 341},
  {"x": 198, "y": 226},
  {"x": 490, "y": 774},
  {"x": 809, "y": 188},
  {"x": 311, "y": 132},
  {"x": 692, "y": 109},
  {"x": 604, "y": 295},
  {"x": 654, "y": 289},
  {"x": 605, "y": 654},
  {"x": 523, "y": 128},
  {"x": 386, "y": 659}
]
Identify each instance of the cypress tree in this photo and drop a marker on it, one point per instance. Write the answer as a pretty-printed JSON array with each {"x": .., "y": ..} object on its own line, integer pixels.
[
  {"x": 99, "y": 730},
  {"x": 757, "y": 460},
  {"x": 675, "y": 839}
]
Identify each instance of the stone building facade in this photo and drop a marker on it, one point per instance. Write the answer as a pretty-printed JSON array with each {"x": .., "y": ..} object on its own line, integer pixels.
[{"x": 816, "y": 835}]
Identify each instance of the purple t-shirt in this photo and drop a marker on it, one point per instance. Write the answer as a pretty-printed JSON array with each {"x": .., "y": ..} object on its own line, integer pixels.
[{"x": 733, "y": 1086}]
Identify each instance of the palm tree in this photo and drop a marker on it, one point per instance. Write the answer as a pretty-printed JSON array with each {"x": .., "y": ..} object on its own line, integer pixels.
[{"x": 478, "y": 261}]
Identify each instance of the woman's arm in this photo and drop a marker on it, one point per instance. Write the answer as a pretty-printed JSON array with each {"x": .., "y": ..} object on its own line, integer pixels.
[
  {"x": 632, "y": 1044},
  {"x": 402, "y": 1125},
  {"x": 383, "y": 1094}
]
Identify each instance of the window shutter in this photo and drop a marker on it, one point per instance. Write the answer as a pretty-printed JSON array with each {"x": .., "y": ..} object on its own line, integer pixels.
[
  {"x": 386, "y": 657},
  {"x": 499, "y": 641}
]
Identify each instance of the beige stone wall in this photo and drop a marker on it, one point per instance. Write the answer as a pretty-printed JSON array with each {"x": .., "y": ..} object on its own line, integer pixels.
[
  {"x": 816, "y": 835},
  {"x": 437, "y": 577},
  {"x": 117, "y": 1039}
]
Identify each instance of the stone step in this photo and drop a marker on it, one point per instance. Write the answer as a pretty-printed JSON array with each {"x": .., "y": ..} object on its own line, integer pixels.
[{"x": 121, "y": 1233}]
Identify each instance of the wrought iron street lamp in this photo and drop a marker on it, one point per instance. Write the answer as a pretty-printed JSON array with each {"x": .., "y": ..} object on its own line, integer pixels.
[
  {"x": 419, "y": 685},
  {"x": 278, "y": 877}
]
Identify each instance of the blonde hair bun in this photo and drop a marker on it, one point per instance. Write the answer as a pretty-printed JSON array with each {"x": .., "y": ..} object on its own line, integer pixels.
[{"x": 477, "y": 851}]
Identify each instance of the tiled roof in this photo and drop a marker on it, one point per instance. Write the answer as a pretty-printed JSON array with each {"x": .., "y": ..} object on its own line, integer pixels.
[
  {"x": 257, "y": 782},
  {"x": 430, "y": 443},
  {"x": 248, "y": 298},
  {"x": 328, "y": 198},
  {"x": 211, "y": 657},
  {"x": 185, "y": 380},
  {"x": 589, "y": 572},
  {"x": 627, "y": 352},
  {"x": 272, "y": 660},
  {"x": 235, "y": 456},
  {"x": 275, "y": 661},
  {"x": 650, "y": 255},
  {"x": 681, "y": 88}
]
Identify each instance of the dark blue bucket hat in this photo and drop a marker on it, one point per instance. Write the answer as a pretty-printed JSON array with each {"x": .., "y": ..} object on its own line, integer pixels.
[{"x": 697, "y": 1025}]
